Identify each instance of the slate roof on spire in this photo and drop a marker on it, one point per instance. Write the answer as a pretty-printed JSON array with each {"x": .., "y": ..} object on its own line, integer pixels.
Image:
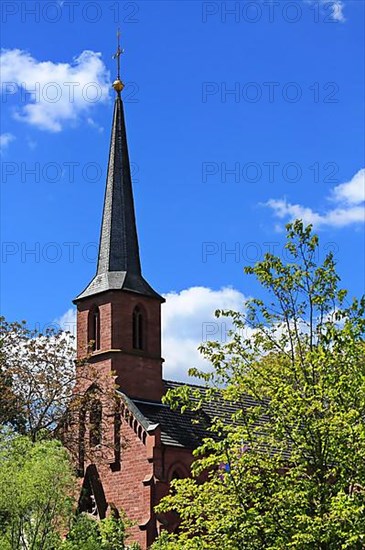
[{"x": 119, "y": 265}]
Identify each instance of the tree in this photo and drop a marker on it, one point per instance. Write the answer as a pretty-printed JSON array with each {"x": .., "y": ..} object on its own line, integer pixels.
[
  {"x": 89, "y": 534},
  {"x": 46, "y": 394},
  {"x": 287, "y": 472},
  {"x": 44, "y": 390},
  {"x": 36, "y": 493},
  {"x": 38, "y": 373}
]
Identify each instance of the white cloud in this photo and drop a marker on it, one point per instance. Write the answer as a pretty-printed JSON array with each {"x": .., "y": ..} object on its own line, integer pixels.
[
  {"x": 349, "y": 206},
  {"x": 54, "y": 94},
  {"x": 187, "y": 320},
  {"x": 5, "y": 140},
  {"x": 353, "y": 191}
]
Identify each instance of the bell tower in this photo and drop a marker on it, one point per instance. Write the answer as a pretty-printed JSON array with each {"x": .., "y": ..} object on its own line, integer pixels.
[{"x": 119, "y": 311}]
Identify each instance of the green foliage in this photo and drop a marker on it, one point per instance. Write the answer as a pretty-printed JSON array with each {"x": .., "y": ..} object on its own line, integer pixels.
[
  {"x": 84, "y": 534},
  {"x": 36, "y": 484},
  {"x": 287, "y": 472},
  {"x": 37, "y": 501},
  {"x": 89, "y": 534}
]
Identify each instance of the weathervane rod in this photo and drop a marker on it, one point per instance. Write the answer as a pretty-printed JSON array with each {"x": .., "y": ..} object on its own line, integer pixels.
[
  {"x": 119, "y": 51},
  {"x": 118, "y": 85}
]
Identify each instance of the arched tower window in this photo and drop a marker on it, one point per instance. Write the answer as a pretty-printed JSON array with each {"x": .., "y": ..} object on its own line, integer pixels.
[
  {"x": 138, "y": 329},
  {"x": 95, "y": 419},
  {"x": 94, "y": 328}
]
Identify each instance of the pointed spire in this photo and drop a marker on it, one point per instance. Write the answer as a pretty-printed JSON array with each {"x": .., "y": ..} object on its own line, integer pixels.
[
  {"x": 118, "y": 249},
  {"x": 119, "y": 265}
]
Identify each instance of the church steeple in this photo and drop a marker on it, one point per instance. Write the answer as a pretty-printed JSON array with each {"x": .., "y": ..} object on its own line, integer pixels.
[
  {"x": 119, "y": 314},
  {"x": 119, "y": 265}
]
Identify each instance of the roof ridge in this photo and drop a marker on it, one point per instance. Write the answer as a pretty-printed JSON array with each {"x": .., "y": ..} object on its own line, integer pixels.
[{"x": 185, "y": 384}]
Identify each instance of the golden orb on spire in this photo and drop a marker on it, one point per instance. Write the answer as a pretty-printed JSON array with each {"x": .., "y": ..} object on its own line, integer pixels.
[{"x": 118, "y": 85}]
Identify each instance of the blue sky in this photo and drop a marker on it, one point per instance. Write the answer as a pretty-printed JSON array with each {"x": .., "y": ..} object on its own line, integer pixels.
[{"x": 240, "y": 116}]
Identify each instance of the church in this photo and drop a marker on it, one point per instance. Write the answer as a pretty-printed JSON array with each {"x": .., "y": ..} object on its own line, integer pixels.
[
  {"x": 121, "y": 314},
  {"x": 145, "y": 443}
]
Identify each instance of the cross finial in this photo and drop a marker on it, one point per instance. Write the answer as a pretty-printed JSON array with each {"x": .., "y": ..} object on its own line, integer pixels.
[
  {"x": 118, "y": 54},
  {"x": 118, "y": 84}
]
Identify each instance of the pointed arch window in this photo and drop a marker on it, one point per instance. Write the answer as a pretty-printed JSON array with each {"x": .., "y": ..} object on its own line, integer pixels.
[
  {"x": 92, "y": 498},
  {"x": 95, "y": 420},
  {"x": 138, "y": 329},
  {"x": 94, "y": 328},
  {"x": 90, "y": 504}
]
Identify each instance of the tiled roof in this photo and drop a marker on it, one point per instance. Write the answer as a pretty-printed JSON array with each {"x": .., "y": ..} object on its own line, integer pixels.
[{"x": 187, "y": 429}]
